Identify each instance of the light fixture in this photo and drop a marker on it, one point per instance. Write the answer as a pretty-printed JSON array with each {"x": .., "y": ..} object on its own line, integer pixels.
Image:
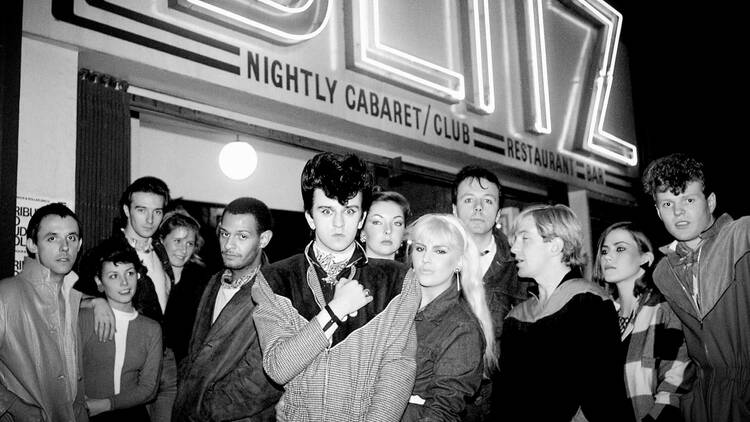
[{"x": 238, "y": 159}]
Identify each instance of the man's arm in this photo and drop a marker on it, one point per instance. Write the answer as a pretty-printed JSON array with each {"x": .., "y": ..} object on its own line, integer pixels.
[
  {"x": 9, "y": 402},
  {"x": 289, "y": 342},
  {"x": 399, "y": 367},
  {"x": 104, "y": 318},
  {"x": 244, "y": 392}
]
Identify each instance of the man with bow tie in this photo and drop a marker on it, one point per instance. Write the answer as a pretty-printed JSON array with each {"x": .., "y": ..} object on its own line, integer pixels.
[
  {"x": 705, "y": 277},
  {"x": 222, "y": 377}
]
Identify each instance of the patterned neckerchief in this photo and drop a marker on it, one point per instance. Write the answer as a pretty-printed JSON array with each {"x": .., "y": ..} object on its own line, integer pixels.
[
  {"x": 227, "y": 283},
  {"x": 331, "y": 263}
]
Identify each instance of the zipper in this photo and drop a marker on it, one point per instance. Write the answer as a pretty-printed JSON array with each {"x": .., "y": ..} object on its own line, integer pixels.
[{"x": 695, "y": 306}]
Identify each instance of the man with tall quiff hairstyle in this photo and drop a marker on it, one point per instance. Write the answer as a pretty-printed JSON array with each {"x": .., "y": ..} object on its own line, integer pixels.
[{"x": 337, "y": 329}]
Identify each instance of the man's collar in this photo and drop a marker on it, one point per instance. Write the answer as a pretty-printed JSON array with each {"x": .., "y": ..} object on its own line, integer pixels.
[
  {"x": 35, "y": 272},
  {"x": 140, "y": 245}
]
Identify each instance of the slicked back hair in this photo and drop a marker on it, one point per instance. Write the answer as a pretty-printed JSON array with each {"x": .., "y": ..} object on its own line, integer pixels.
[{"x": 147, "y": 184}]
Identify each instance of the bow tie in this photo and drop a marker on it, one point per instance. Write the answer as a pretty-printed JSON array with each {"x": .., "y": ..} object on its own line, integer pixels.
[{"x": 688, "y": 255}]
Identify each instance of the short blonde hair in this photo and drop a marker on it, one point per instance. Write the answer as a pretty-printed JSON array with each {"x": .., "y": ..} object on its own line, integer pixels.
[{"x": 558, "y": 221}]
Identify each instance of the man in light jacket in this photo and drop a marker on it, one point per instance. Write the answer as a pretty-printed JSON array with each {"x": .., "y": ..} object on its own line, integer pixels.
[{"x": 39, "y": 355}]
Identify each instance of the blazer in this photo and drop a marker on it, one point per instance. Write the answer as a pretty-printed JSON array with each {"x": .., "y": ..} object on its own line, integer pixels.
[{"x": 222, "y": 377}]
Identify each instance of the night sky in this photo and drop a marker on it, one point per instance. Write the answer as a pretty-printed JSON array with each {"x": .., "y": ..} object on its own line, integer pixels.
[{"x": 690, "y": 90}]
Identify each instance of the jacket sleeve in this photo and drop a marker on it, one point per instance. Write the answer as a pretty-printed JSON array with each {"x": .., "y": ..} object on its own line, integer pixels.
[
  {"x": 675, "y": 371},
  {"x": 148, "y": 380},
  {"x": 458, "y": 374},
  {"x": 288, "y": 341},
  {"x": 238, "y": 393},
  {"x": 7, "y": 398},
  {"x": 396, "y": 377}
]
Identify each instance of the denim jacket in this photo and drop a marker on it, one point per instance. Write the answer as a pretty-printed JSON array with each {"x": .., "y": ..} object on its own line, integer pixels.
[{"x": 450, "y": 349}]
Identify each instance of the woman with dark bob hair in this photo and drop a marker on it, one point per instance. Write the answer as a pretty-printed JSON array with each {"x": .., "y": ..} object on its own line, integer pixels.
[{"x": 657, "y": 365}]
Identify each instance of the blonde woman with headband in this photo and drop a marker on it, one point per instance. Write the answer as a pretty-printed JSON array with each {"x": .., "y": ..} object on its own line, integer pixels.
[{"x": 454, "y": 327}]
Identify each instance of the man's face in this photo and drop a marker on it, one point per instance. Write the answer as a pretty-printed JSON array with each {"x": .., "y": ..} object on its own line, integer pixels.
[
  {"x": 477, "y": 204},
  {"x": 57, "y": 244},
  {"x": 241, "y": 244},
  {"x": 144, "y": 213},
  {"x": 335, "y": 225},
  {"x": 688, "y": 214}
]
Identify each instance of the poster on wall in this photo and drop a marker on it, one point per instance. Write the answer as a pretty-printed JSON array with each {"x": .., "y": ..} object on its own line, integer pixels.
[{"x": 26, "y": 206}]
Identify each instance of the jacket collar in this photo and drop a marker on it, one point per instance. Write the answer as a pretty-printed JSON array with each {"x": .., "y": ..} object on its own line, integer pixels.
[
  {"x": 711, "y": 232},
  {"x": 358, "y": 258},
  {"x": 439, "y": 307},
  {"x": 36, "y": 273},
  {"x": 571, "y": 285}
]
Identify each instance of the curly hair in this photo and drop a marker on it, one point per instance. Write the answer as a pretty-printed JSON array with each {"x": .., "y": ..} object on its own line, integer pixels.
[
  {"x": 673, "y": 173},
  {"x": 340, "y": 177}
]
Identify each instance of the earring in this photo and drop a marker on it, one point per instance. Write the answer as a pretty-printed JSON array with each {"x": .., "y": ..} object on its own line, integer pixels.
[
  {"x": 458, "y": 278},
  {"x": 363, "y": 237},
  {"x": 498, "y": 225}
]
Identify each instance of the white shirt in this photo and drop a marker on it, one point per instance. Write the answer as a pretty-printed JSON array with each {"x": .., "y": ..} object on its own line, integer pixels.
[
  {"x": 486, "y": 260},
  {"x": 122, "y": 320},
  {"x": 223, "y": 297}
]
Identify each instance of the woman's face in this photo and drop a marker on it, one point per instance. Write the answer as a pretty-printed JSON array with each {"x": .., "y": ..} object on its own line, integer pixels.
[
  {"x": 434, "y": 261},
  {"x": 531, "y": 251},
  {"x": 620, "y": 258},
  {"x": 384, "y": 228},
  {"x": 180, "y": 245}
]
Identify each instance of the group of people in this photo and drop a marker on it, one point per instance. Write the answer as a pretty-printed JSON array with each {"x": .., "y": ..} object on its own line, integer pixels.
[{"x": 381, "y": 319}]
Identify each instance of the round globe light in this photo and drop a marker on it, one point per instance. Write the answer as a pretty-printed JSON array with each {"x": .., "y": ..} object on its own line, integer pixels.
[{"x": 238, "y": 160}]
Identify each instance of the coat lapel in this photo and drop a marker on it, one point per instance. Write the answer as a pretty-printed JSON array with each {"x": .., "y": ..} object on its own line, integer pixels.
[{"x": 227, "y": 320}]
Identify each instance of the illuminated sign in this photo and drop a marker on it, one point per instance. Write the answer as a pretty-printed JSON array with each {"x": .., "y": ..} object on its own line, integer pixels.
[
  {"x": 368, "y": 54},
  {"x": 269, "y": 19},
  {"x": 594, "y": 137},
  {"x": 477, "y": 73}
]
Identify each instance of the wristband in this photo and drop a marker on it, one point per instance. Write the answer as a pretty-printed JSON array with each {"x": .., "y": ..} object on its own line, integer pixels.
[{"x": 333, "y": 316}]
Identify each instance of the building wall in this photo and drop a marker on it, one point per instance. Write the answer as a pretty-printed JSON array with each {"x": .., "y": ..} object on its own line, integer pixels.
[
  {"x": 47, "y": 121},
  {"x": 186, "y": 157}
]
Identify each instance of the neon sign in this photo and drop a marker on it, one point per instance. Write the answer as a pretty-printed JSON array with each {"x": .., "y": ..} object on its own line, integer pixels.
[
  {"x": 595, "y": 138},
  {"x": 268, "y": 19},
  {"x": 468, "y": 80}
]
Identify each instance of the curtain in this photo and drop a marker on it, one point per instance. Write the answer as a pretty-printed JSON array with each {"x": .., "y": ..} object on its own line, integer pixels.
[{"x": 102, "y": 153}]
